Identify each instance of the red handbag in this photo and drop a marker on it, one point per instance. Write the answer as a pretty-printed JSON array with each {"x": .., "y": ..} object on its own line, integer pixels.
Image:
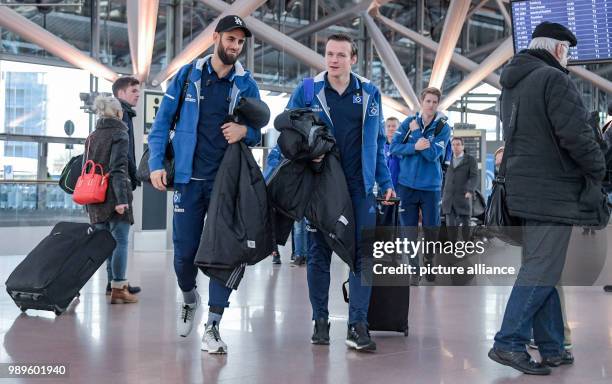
[{"x": 91, "y": 186}]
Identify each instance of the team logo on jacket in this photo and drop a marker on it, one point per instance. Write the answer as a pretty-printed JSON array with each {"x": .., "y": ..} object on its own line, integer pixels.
[
  {"x": 190, "y": 98},
  {"x": 373, "y": 111},
  {"x": 357, "y": 99}
]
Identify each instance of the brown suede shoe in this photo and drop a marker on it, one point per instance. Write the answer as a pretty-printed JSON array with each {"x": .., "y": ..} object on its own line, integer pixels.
[{"x": 122, "y": 296}]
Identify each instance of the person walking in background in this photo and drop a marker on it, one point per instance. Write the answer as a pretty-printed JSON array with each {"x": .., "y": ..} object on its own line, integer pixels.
[
  {"x": 421, "y": 143},
  {"x": 108, "y": 145},
  {"x": 127, "y": 90},
  {"x": 460, "y": 185}
]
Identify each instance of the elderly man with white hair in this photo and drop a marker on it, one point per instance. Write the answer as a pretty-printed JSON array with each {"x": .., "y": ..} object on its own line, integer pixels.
[{"x": 553, "y": 167}]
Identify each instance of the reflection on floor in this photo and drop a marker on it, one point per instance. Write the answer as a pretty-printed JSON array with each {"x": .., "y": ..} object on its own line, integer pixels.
[{"x": 267, "y": 329}]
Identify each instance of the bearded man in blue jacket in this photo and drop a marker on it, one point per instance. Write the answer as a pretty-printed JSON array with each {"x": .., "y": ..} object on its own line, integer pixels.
[{"x": 215, "y": 85}]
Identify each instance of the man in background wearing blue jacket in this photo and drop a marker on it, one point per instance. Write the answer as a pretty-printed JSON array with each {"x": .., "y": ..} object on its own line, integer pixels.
[
  {"x": 215, "y": 85},
  {"x": 420, "y": 177},
  {"x": 351, "y": 106}
]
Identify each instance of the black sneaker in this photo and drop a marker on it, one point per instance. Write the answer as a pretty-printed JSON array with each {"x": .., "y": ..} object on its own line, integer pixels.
[
  {"x": 358, "y": 337},
  {"x": 320, "y": 334},
  {"x": 276, "y": 259},
  {"x": 564, "y": 358},
  {"x": 132, "y": 290},
  {"x": 299, "y": 260},
  {"x": 521, "y": 361},
  {"x": 608, "y": 288}
]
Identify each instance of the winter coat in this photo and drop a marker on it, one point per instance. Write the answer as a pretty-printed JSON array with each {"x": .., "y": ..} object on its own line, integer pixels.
[
  {"x": 300, "y": 188},
  {"x": 128, "y": 115},
  {"x": 238, "y": 228},
  {"x": 108, "y": 145},
  {"x": 458, "y": 181},
  {"x": 554, "y": 166}
]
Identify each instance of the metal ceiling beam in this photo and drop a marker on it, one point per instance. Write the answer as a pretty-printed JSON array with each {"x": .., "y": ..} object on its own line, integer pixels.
[
  {"x": 497, "y": 58},
  {"x": 34, "y": 33},
  {"x": 453, "y": 23},
  {"x": 391, "y": 63},
  {"x": 141, "y": 23},
  {"x": 596, "y": 80},
  {"x": 476, "y": 9},
  {"x": 458, "y": 60},
  {"x": 204, "y": 40},
  {"x": 286, "y": 44},
  {"x": 485, "y": 48},
  {"x": 504, "y": 12}
]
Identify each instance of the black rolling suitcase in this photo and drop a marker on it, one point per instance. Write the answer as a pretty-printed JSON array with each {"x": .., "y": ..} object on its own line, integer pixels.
[
  {"x": 52, "y": 274},
  {"x": 389, "y": 304}
]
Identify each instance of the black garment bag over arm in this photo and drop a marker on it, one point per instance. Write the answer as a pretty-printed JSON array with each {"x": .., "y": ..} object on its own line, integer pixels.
[
  {"x": 52, "y": 274},
  {"x": 143, "y": 173}
]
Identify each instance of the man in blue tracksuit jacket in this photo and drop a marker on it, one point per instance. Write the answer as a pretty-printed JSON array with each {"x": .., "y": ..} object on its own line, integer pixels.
[
  {"x": 215, "y": 85},
  {"x": 420, "y": 178},
  {"x": 351, "y": 106}
]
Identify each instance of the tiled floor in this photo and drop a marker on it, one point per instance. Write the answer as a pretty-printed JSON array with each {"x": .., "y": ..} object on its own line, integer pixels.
[{"x": 268, "y": 327}]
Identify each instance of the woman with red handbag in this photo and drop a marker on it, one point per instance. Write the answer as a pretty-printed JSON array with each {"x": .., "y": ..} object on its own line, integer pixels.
[{"x": 107, "y": 147}]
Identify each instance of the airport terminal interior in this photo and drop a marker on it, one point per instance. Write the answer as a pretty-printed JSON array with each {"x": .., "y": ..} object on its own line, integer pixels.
[{"x": 56, "y": 56}]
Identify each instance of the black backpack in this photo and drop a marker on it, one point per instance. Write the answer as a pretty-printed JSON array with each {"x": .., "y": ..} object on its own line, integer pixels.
[{"x": 70, "y": 174}]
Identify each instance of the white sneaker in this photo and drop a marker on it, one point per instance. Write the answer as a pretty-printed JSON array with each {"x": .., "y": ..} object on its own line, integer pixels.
[
  {"x": 211, "y": 341},
  {"x": 186, "y": 316}
]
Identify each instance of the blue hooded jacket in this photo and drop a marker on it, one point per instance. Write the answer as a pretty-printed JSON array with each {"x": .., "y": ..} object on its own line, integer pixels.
[
  {"x": 421, "y": 170},
  {"x": 186, "y": 133},
  {"x": 374, "y": 165}
]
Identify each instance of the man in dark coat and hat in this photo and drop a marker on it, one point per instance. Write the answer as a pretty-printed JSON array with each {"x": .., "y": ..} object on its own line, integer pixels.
[{"x": 554, "y": 167}]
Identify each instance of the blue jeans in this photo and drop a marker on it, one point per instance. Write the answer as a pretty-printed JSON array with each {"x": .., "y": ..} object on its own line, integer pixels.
[
  {"x": 319, "y": 259},
  {"x": 300, "y": 238},
  {"x": 116, "y": 265},
  {"x": 190, "y": 206},
  {"x": 534, "y": 304},
  {"x": 428, "y": 202}
]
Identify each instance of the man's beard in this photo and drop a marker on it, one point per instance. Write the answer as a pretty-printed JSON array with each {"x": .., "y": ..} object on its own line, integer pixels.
[{"x": 224, "y": 57}]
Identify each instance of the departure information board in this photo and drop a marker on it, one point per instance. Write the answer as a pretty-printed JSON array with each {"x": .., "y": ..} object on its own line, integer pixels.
[{"x": 590, "y": 20}]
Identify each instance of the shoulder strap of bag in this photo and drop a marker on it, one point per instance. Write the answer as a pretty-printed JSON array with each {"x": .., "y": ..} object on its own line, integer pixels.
[
  {"x": 308, "y": 89},
  {"x": 440, "y": 125},
  {"x": 508, "y": 146},
  {"x": 177, "y": 115}
]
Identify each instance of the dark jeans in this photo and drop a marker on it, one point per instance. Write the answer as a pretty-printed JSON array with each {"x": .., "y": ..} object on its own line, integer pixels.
[
  {"x": 428, "y": 202},
  {"x": 319, "y": 259},
  {"x": 190, "y": 205},
  {"x": 534, "y": 303}
]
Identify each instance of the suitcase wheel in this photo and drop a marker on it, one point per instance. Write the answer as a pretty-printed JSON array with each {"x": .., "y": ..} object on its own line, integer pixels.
[
  {"x": 406, "y": 332},
  {"x": 23, "y": 309},
  {"x": 58, "y": 311}
]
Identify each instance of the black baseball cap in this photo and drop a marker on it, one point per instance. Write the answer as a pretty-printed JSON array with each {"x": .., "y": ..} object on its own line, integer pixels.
[
  {"x": 231, "y": 22},
  {"x": 554, "y": 31}
]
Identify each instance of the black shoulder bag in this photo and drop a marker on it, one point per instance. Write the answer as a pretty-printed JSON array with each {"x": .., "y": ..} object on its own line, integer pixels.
[
  {"x": 498, "y": 220},
  {"x": 144, "y": 173}
]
